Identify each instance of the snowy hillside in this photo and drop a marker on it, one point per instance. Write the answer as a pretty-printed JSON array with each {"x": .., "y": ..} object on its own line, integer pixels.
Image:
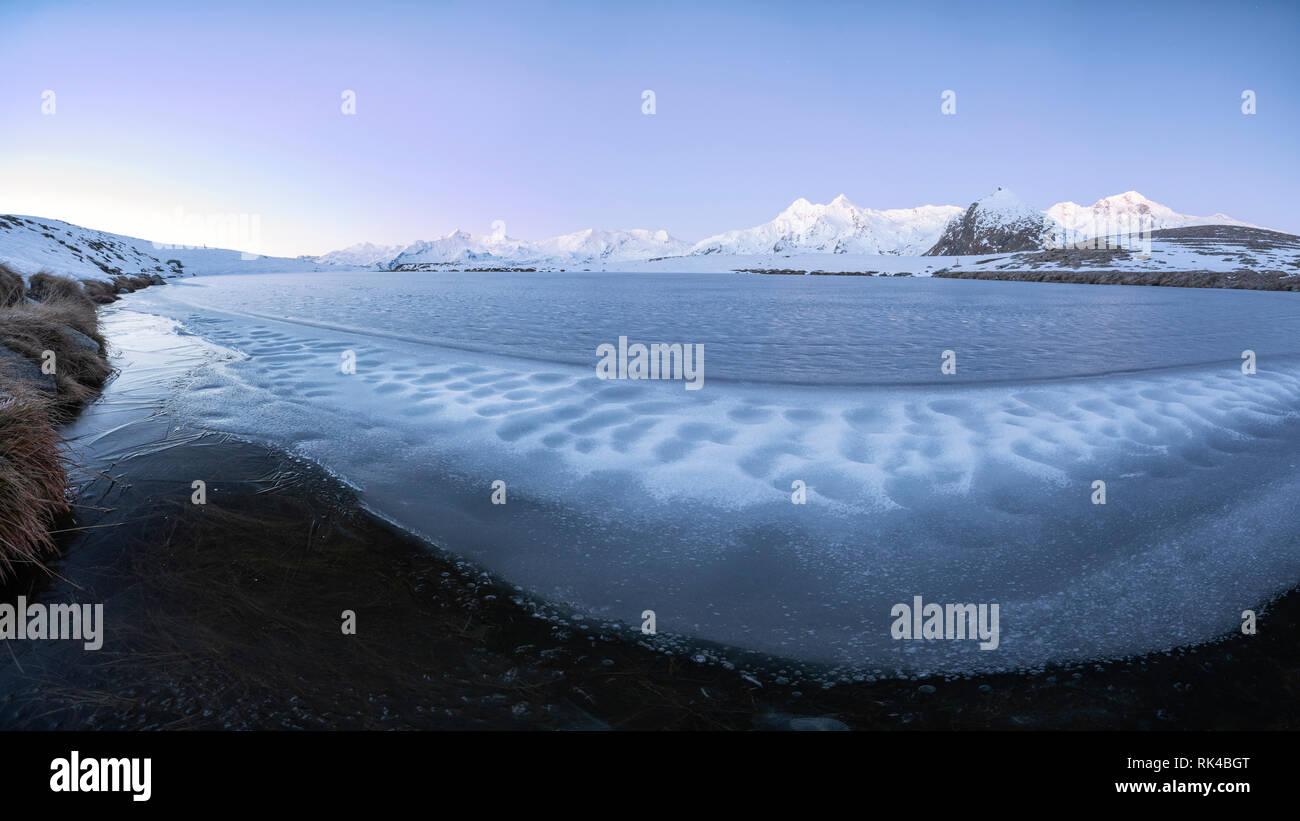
[{"x": 31, "y": 244}]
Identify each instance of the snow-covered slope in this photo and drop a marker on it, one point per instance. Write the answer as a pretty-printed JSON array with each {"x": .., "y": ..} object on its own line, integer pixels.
[
  {"x": 998, "y": 222},
  {"x": 839, "y": 227},
  {"x": 1126, "y": 213},
  {"x": 31, "y": 244}
]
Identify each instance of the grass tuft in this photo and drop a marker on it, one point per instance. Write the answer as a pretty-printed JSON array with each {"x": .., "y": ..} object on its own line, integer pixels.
[
  {"x": 33, "y": 483},
  {"x": 12, "y": 289},
  {"x": 99, "y": 292}
]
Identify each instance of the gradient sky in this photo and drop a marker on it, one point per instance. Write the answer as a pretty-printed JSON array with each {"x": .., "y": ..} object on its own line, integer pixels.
[{"x": 473, "y": 112}]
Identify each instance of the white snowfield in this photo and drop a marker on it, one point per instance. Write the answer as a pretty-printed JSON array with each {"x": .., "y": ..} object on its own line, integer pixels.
[{"x": 626, "y": 496}]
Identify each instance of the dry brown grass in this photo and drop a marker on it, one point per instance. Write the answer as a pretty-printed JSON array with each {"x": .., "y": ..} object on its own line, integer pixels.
[
  {"x": 124, "y": 284},
  {"x": 100, "y": 292},
  {"x": 33, "y": 484},
  {"x": 47, "y": 287},
  {"x": 32, "y": 329},
  {"x": 12, "y": 289}
]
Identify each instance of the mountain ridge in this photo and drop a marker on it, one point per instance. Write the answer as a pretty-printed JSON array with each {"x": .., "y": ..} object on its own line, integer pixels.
[
  {"x": 836, "y": 227},
  {"x": 29, "y": 244}
]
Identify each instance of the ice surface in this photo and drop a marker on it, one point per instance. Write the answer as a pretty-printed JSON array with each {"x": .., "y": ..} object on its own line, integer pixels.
[{"x": 625, "y": 496}]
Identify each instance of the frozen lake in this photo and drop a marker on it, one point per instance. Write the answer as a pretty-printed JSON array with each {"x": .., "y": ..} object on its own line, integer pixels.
[
  {"x": 623, "y": 496},
  {"x": 773, "y": 328}
]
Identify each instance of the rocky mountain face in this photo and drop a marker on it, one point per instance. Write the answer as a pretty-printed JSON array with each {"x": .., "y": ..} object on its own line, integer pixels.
[{"x": 998, "y": 223}]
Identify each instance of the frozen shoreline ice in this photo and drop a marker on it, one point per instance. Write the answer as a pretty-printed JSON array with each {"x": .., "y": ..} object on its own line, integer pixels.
[{"x": 626, "y": 496}]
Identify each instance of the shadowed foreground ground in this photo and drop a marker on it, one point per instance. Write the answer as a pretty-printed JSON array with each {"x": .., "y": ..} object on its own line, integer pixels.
[{"x": 228, "y": 616}]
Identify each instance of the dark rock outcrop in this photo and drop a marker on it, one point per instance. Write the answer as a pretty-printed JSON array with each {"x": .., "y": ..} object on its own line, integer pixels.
[
  {"x": 18, "y": 369},
  {"x": 998, "y": 223}
]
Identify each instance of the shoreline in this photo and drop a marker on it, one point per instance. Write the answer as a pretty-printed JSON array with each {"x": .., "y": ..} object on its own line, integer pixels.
[{"x": 1223, "y": 280}]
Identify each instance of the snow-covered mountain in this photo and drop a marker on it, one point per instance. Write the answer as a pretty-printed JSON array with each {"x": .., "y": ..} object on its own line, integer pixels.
[
  {"x": 462, "y": 246},
  {"x": 591, "y": 245},
  {"x": 363, "y": 254},
  {"x": 839, "y": 227},
  {"x": 1125, "y": 213},
  {"x": 595, "y": 244},
  {"x": 998, "y": 223},
  {"x": 994, "y": 224}
]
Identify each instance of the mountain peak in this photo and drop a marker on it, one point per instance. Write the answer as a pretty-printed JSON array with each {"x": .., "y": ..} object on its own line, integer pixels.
[
  {"x": 1127, "y": 196},
  {"x": 1004, "y": 206},
  {"x": 1001, "y": 194}
]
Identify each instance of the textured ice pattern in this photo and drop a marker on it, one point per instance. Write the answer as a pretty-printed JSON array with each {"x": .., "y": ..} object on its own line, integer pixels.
[{"x": 625, "y": 496}]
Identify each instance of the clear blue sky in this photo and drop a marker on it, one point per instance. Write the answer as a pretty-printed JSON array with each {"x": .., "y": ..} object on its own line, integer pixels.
[{"x": 473, "y": 112}]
